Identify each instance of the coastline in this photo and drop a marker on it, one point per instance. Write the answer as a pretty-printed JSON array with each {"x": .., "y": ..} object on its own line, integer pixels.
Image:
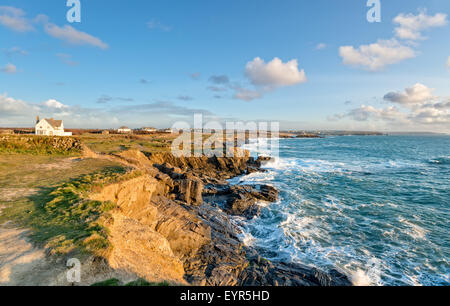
[
  {"x": 173, "y": 222},
  {"x": 225, "y": 259}
]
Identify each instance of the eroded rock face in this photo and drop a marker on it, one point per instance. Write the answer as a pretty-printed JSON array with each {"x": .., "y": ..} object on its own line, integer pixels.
[
  {"x": 140, "y": 249},
  {"x": 150, "y": 229},
  {"x": 163, "y": 216}
]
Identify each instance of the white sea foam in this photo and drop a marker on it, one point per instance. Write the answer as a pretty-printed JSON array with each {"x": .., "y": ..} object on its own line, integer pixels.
[
  {"x": 414, "y": 231},
  {"x": 360, "y": 278},
  {"x": 326, "y": 229}
]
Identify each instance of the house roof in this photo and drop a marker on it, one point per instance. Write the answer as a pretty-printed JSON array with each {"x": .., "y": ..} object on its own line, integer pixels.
[
  {"x": 124, "y": 128},
  {"x": 54, "y": 123}
]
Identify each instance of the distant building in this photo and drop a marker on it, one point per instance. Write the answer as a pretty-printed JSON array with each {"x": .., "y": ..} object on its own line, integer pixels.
[
  {"x": 149, "y": 129},
  {"x": 124, "y": 130},
  {"x": 168, "y": 131},
  {"x": 50, "y": 127}
]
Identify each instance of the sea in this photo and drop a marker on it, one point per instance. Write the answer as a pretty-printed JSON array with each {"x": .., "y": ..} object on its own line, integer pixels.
[{"x": 376, "y": 208}]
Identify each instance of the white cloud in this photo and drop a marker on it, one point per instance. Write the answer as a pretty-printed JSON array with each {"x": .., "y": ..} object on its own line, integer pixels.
[
  {"x": 10, "y": 106},
  {"x": 73, "y": 36},
  {"x": 410, "y": 26},
  {"x": 419, "y": 110},
  {"x": 376, "y": 56},
  {"x": 366, "y": 112},
  {"x": 448, "y": 62},
  {"x": 54, "y": 104},
  {"x": 14, "y": 19},
  {"x": 9, "y": 69},
  {"x": 274, "y": 73},
  {"x": 417, "y": 94},
  {"x": 321, "y": 46}
]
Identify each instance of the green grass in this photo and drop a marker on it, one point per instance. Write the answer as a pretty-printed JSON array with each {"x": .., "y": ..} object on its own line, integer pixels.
[
  {"x": 58, "y": 213},
  {"x": 117, "y": 143},
  {"x": 40, "y": 171},
  {"x": 113, "y": 282},
  {"x": 40, "y": 145},
  {"x": 63, "y": 219}
]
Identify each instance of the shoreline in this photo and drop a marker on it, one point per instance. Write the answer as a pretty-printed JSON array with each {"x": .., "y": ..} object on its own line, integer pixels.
[
  {"x": 173, "y": 222},
  {"x": 222, "y": 200}
]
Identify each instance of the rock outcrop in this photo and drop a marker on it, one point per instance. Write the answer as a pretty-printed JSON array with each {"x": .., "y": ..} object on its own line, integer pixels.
[{"x": 174, "y": 222}]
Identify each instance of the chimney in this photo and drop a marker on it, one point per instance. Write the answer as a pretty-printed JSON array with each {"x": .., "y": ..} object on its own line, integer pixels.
[{"x": 37, "y": 119}]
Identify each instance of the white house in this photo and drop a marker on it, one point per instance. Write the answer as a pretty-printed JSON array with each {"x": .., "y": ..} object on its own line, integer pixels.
[
  {"x": 124, "y": 130},
  {"x": 50, "y": 127}
]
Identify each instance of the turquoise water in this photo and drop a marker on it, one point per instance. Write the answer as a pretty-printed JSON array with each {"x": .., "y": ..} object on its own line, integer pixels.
[{"x": 376, "y": 208}]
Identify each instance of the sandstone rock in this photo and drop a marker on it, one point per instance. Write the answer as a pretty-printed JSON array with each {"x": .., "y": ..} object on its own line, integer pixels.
[
  {"x": 189, "y": 191},
  {"x": 163, "y": 215}
]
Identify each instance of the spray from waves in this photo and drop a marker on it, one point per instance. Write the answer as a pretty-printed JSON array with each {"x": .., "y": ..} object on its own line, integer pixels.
[{"x": 368, "y": 232}]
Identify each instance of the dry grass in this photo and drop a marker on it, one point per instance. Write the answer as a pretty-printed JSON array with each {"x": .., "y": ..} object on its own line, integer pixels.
[
  {"x": 117, "y": 143},
  {"x": 49, "y": 200}
]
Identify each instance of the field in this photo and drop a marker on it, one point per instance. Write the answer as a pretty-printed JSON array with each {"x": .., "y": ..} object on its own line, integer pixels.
[{"x": 116, "y": 143}]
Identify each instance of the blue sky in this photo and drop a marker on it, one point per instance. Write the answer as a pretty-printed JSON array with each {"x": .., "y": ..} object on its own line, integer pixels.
[{"x": 156, "y": 62}]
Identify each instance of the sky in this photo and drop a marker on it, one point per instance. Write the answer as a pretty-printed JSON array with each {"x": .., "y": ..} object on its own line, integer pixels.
[{"x": 306, "y": 64}]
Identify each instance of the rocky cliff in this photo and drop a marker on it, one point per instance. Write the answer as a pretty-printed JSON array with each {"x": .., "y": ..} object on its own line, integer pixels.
[{"x": 174, "y": 223}]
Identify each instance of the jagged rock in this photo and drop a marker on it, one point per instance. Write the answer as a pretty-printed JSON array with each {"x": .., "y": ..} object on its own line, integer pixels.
[
  {"x": 189, "y": 191},
  {"x": 243, "y": 200},
  {"x": 262, "y": 272},
  {"x": 263, "y": 160},
  {"x": 166, "y": 205}
]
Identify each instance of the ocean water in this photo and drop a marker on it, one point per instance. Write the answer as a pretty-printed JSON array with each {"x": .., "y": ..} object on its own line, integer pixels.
[{"x": 374, "y": 207}]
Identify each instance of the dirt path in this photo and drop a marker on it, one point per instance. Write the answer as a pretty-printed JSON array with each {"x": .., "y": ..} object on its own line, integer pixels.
[{"x": 20, "y": 262}]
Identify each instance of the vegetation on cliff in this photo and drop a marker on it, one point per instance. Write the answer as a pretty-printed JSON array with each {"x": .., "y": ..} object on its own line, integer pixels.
[
  {"x": 40, "y": 145},
  {"x": 63, "y": 219}
]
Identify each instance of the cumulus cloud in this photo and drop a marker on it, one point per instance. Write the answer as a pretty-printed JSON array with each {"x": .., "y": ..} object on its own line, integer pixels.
[
  {"x": 410, "y": 26},
  {"x": 10, "y": 106},
  {"x": 263, "y": 78},
  {"x": 418, "y": 109},
  {"x": 16, "y": 112},
  {"x": 9, "y": 69},
  {"x": 274, "y": 73},
  {"x": 52, "y": 103},
  {"x": 417, "y": 94},
  {"x": 448, "y": 62},
  {"x": 376, "y": 56},
  {"x": 14, "y": 19},
  {"x": 73, "y": 36}
]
